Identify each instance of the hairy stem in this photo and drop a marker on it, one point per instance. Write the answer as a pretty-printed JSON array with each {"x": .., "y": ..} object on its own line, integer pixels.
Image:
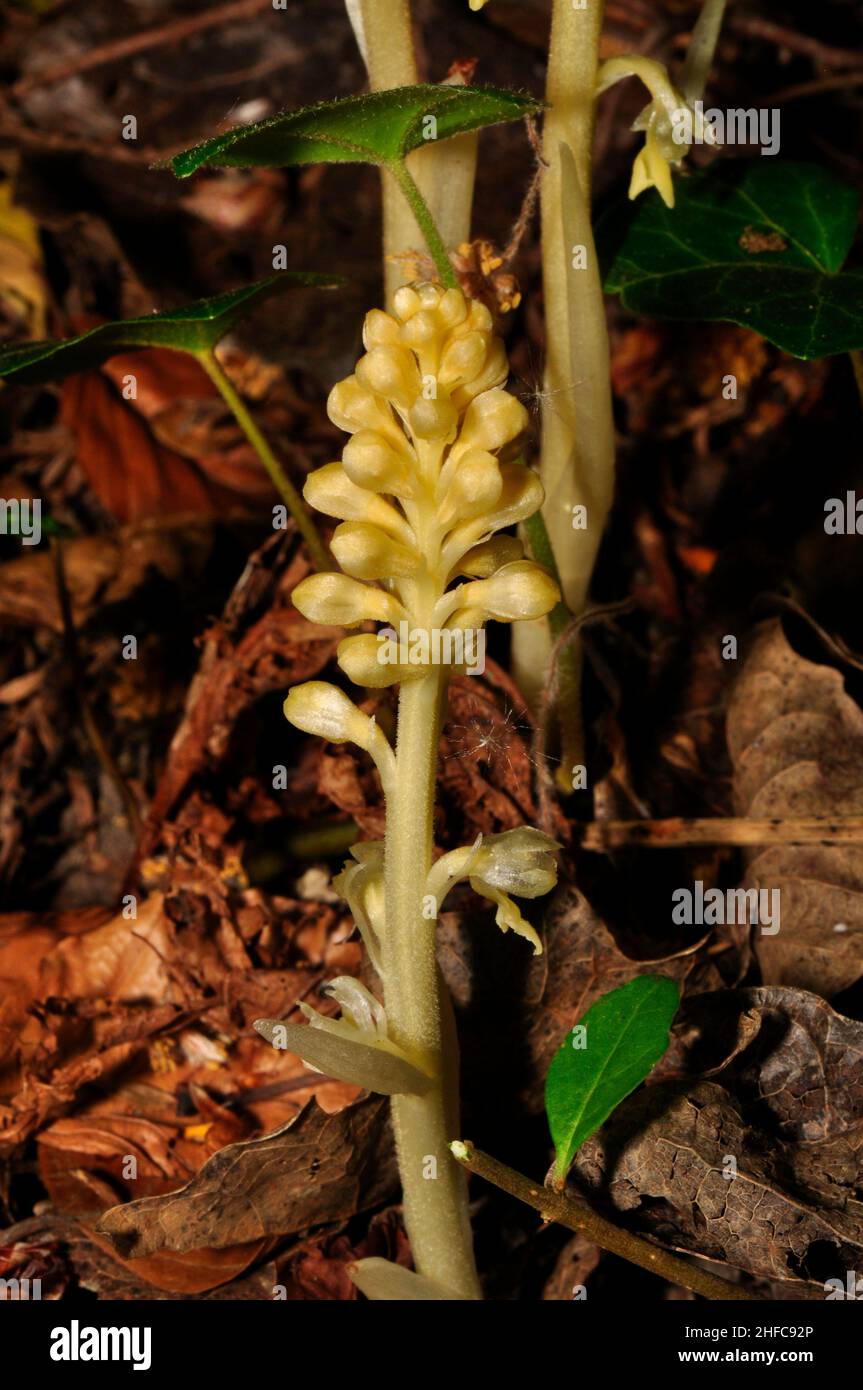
[
  {"x": 425, "y": 221},
  {"x": 282, "y": 483},
  {"x": 418, "y": 1014},
  {"x": 577, "y": 1216},
  {"x": 577, "y": 454},
  {"x": 383, "y": 32}
]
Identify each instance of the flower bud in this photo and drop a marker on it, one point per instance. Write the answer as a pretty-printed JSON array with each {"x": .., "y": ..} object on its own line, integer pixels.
[
  {"x": 492, "y": 420},
  {"x": 521, "y": 496},
  {"x": 462, "y": 359},
  {"x": 485, "y": 560},
  {"x": 338, "y": 601},
  {"x": 379, "y": 330},
  {"x": 351, "y": 407},
  {"x": 406, "y": 302},
  {"x": 517, "y": 591},
  {"x": 475, "y": 488},
  {"x": 493, "y": 373},
  {"x": 366, "y": 552},
  {"x": 371, "y": 463},
  {"x": 360, "y": 659},
  {"x": 433, "y": 419},
  {"x": 517, "y": 861},
  {"x": 319, "y": 708},
  {"x": 391, "y": 372},
  {"x": 420, "y": 330},
  {"x": 332, "y": 491}
]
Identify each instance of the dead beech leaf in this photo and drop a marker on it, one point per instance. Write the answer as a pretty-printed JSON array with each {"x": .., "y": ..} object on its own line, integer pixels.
[
  {"x": 796, "y": 742},
  {"x": 800, "y": 1066},
  {"x": 149, "y": 456},
  {"x": 191, "y": 1272},
  {"x": 759, "y": 1167},
  {"x": 317, "y": 1168},
  {"x": 661, "y": 1159},
  {"x": 101, "y": 570}
]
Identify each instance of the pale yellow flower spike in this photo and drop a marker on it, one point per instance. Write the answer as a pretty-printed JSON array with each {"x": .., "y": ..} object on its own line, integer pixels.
[{"x": 426, "y": 485}]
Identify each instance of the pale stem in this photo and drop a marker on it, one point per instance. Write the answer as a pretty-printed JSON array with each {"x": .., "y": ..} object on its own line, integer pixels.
[
  {"x": 385, "y": 38},
  {"x": 443, "y": 173},
  {"x": 282, "y": 483},
  {"x": 702, "y": 46},
  {"x": 577, "y": 454},
  {"x": 418, "y": 1014},
  {"x": 426, "y": 223}
]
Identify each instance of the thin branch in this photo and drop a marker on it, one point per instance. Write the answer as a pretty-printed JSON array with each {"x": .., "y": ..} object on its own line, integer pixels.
[
  {"x": 76, "y": 672},
  {"x": 577, "y": 1216},
  {"x": 679, "y": 831},
  {"x": 173, "y": 32}
]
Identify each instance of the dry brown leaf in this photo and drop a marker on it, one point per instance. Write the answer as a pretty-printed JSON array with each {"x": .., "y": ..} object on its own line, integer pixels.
[
  {"x": 318, "y": 1168},
  {"x": 101, "y": 570},
  {"x": 760, "y": 1166},
  {"x": 151, "y": 456},
  {"x": 796, "y": 742}
]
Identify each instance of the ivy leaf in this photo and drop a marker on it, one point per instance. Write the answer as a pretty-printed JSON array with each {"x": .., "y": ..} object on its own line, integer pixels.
[
  {"x": 194, "y": 328},
  {"x": 758, "y": 242},
  {"x": 380, "y": 128},
  {"x": 626, "y": 1033}
]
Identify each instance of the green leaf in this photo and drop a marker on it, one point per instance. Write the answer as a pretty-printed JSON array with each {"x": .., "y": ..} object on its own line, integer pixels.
[
  {"x": 757, "y": 242},
  {"x": 626, "y": 1034},
  {"x": 380, "y": 128},
  {"x": 193, "y": 328}
]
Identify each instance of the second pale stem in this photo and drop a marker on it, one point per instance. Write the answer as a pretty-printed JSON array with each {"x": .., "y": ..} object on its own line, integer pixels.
[{"x": 433, "y": 1185}]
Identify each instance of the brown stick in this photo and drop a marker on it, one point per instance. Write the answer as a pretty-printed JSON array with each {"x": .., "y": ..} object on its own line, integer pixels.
[
  {"x": 173, "y": 32},
  {"x": 576, "y": 1216},
  {"x": 79, "y": 686},
  {"x": 777, "y": 34},
  {"x": 678, "y": 831}
]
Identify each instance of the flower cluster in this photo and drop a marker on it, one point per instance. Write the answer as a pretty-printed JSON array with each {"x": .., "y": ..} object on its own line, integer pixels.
[
  {"x": 425, "y": 488},
  {"x": 425, "y": 484}
]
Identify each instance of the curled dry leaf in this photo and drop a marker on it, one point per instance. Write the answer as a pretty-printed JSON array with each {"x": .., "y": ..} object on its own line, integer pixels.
[
  {"x": 317, "y": 1168},
  {"x": 159, "y": 452},
  {"x": 760, "y": 1166},
  {"x": 796, "y": 742},
  {"x": 101, "y": 570}
]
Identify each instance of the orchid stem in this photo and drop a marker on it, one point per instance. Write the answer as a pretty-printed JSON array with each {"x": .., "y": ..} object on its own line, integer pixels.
[{"x": 419, "y": 1017}]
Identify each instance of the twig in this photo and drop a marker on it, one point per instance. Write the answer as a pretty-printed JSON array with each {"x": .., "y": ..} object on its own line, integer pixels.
[
  {"x": 679, "y": 831},
  {"x": 577, "y": 1216},
  {"x": 88, "y": 723},
  {"x": 777, "y": 34},
  {"x": 557, "y": 674},
  {"x": 173, "y": 32}
]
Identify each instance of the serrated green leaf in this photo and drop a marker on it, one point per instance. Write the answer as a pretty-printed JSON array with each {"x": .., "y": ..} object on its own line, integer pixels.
[
  {"x": 757, "y": 242},
  {"x": 192, "y": 328},
  {"x": 380, "y": 128},
  {"x": 626, "y": 1034}
]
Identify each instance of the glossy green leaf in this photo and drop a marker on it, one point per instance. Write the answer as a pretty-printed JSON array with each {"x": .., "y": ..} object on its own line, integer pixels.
[
  {"x": 625, "y": 1034},
  {"x": 193, "y": 328},
  {"x": 758, "y": 242},
  {"x": 380, "y": 128}
]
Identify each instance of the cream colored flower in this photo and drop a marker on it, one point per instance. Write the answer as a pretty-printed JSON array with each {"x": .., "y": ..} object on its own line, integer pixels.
[{"x": 425, "y": 483}]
